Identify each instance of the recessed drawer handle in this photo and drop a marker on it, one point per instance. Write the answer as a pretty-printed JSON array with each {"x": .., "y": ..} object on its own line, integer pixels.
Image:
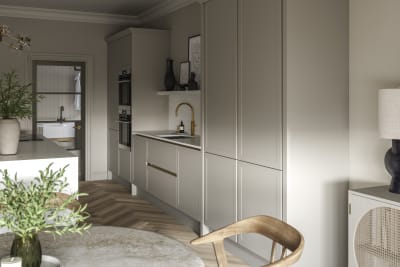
[{"x": 161, "y": 169}]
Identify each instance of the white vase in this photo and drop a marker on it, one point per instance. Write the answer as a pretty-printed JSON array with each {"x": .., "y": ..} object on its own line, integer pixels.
[{"x": 9, "y": 136}]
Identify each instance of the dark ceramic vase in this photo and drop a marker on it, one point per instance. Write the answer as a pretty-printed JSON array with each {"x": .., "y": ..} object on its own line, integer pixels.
[
  {"x": 30, "y": 251},
  {"x": 169, "y": 80},
  {"x": 192, "y": 82}
]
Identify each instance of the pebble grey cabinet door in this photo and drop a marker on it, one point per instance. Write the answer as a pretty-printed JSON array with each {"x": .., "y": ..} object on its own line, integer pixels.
[
  {"x": 113, "y": 136},
  {"x": 124, "y": 164},
  {"x": 190, "y": 182},
  {"x": 139, "y": 162},
  {"x": 221, "y": 193},
  {"x": 259, "y": 193},
  {"x": 260, "y": 83},
  {"x": 220, "y": 47}
]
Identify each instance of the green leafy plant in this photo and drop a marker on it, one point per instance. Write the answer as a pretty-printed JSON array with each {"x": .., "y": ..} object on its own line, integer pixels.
[
  {"x": 15, "y": 98},
  {"x": 29, "y": 208}
]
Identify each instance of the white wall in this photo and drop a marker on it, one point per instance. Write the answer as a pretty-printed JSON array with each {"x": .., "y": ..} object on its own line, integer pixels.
[
  {"x": 374, "y": 64},
  {"x": 316, "y": 100},
  {"x": 182, "y": 24},
  {"x": 68, "y": 38}
]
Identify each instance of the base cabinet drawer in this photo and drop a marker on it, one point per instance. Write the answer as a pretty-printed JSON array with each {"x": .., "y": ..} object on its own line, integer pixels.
[
  {"x": 162, "y": 154},
  {"x": 169, "y": 172},
  {"x": 162, "y": 185}
]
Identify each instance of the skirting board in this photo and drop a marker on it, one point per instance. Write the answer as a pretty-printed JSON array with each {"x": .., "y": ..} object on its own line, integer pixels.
[
  {"x": 244, "y": 254},
  {"x": 97, "y": 176},
  {"x": 122, "y": 182}
]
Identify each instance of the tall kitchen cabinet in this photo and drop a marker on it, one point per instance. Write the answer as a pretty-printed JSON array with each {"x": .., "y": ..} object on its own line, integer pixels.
[
  {"x": 243, "y": 112},
  {"x": 143, "y": 52},
  {"x": 276, "y": 119}
]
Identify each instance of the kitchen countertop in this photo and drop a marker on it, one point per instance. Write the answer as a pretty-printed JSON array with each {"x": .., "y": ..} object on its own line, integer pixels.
[
  {"x": 36, "y": 155},
  {"x": 191, "y": 142},
  {"x": 37, "y": 149}
]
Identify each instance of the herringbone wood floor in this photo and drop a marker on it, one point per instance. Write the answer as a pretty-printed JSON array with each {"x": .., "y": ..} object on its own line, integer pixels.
[{"x": 111, "y": 204}]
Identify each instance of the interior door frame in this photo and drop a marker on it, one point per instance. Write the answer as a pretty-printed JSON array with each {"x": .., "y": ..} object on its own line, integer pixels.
[
  {"x": 82, "y": 65},
  {"x": 88, "y": 60}
]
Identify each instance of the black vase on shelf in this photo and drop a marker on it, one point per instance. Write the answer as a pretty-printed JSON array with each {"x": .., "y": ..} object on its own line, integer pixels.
[
  {"x": 169, "y": 80},
  {"x": 192, "y": 84}
]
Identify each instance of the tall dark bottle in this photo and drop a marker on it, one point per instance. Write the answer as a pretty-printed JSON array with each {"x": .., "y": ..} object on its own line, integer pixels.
[{"x": 169, "y": 80}]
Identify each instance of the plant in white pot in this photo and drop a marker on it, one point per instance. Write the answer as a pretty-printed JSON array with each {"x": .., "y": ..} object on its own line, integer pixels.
[
  {"x": 15, "y": 103},
  {"x": 38, "y": 206}
]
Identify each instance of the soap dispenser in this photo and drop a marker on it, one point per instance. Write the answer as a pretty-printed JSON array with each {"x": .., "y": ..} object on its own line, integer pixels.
[{"x": 181, "y": 127}]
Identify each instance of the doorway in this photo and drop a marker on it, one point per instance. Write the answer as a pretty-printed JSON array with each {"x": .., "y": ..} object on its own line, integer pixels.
[{"x": 60, "y": 115}]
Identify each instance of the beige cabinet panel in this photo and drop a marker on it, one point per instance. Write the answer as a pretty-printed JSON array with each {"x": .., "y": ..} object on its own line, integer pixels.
[
  {"x": 119, "y": 58},
  {"x": 124, "y": 163},
  {"x": 150, "y": 50},
  {"x": 221, "y": 193},
  {"x": 139, "y": 162},
  {"x": 259, "y": 193},
  {"x": 113, "y": 152},
  {"x": 163, "y": 186},
  {"x": 260, "y": 83},
  {"x": 220, "y": 46},
  {"x": 190, "y": 184}
]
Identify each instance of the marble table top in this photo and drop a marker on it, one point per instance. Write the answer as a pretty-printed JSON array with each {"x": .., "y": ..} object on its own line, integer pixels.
[{"x": 108, "y": 246}]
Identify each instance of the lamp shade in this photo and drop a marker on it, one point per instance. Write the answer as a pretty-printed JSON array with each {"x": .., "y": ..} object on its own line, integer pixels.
[{"x": 389, "y": 113}]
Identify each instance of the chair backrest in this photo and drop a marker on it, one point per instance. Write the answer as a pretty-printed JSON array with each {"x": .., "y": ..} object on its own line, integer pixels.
[{"x": 276, "y": 230}]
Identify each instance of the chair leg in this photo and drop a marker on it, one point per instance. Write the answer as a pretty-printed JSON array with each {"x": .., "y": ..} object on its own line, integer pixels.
[
  {"x": 220, "y": 253},
  {"x": 272, "y": 258}
]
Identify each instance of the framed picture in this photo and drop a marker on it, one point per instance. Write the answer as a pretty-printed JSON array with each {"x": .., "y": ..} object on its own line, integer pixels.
[
  {"x": 184, "y": 72},
  {"x": 194, "y": 56}
]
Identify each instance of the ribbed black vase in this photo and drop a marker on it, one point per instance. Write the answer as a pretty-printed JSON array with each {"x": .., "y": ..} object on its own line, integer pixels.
[
  {"x": 30, "y": 251},
  {"x": 169, "y": 80},
  {"x": 392, "y": 164}
]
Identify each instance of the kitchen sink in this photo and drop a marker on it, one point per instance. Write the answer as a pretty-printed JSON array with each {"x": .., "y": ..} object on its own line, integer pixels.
[{"x": 174, "y": 136}]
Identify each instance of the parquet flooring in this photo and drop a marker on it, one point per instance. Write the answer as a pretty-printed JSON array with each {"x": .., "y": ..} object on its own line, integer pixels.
[{"x": 111, "y": 204}]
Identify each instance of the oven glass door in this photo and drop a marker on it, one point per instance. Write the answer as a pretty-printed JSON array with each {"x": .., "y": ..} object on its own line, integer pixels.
[
  {"x": 125, "y": 133},
  {"x": 125, "y": 93}
]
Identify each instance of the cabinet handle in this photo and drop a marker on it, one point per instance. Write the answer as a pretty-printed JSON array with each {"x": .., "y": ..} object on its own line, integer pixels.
[{"x": 161, "y": 169}]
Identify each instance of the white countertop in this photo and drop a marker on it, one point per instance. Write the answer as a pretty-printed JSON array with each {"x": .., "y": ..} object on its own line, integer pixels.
[
  {"x": 191, "y": 142},
  {"x": 39, "y": 149}
]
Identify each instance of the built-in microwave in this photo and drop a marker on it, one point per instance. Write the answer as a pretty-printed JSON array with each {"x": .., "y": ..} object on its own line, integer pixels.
[{"x": 124, "y": 88}]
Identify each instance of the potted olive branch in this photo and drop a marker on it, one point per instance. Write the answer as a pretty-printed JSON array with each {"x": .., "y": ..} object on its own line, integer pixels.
[
  {"x": 39, "y": 206},
  {"x": 15, "y": 103}
]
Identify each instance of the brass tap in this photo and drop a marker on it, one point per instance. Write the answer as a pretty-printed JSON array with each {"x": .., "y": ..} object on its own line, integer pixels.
[{"x": 192, "y": 123}]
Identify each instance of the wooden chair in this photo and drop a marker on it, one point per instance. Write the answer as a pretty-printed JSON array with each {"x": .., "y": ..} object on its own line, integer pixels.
[{"x": 276, "y": 230}]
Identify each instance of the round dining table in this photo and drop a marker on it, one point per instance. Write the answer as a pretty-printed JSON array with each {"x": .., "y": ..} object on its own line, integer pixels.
[{"x": 109, "y": 246}]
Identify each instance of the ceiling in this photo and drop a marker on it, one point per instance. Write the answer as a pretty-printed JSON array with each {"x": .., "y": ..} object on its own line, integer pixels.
[{"x": 117, "y": 7}]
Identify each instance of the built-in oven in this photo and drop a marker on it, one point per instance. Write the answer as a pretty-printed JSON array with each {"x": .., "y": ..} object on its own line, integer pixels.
[
  {"x": 124, "y": 88},
  {"x": 125, "y": 126}
]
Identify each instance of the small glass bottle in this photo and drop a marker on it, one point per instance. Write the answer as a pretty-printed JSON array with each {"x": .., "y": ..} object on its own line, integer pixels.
[{"x": 181, "y": 127}]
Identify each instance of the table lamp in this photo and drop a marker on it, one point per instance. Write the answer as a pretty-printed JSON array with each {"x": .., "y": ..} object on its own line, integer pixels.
[{"x": 389, "y": 128}]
